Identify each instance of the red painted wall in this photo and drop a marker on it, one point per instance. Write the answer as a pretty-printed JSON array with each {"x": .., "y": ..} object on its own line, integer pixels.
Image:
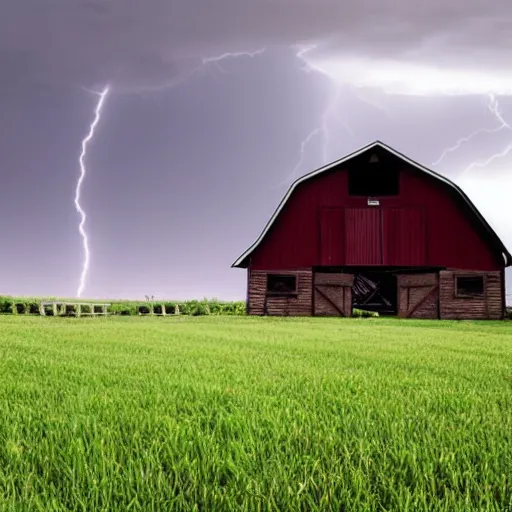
[{"x": 424, "y": 225}]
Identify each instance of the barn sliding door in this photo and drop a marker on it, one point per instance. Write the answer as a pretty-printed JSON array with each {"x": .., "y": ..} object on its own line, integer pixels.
[
  {"x": 404, "y": 237},
  {"x": 363, "y": 236},
  {"x": 418, "y": 296},
  {"x": 332, "y": 294},
  {"x": 331, "y": 236}
]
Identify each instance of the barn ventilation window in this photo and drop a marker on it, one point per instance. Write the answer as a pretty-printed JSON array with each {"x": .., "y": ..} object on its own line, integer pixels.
[
  {"x": 469, "y": 286},
  {"x": 373, "y": 180},
  {"x": 281, "y": 284}
]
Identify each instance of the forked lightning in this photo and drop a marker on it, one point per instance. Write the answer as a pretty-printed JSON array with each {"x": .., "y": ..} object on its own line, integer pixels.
[{"x": 495, "y": 110}]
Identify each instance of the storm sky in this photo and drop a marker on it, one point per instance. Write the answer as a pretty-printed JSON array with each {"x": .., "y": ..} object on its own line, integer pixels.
[{"x": 210, "y": 105}]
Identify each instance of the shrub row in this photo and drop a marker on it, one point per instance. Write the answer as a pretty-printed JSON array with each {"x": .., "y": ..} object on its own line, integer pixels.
[
  {"x": 191, "y": 308},
  {"x": 22, "y": 305}
]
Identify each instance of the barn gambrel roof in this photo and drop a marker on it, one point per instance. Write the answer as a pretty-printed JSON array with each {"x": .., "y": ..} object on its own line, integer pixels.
[{"x": 377, "y": 144}]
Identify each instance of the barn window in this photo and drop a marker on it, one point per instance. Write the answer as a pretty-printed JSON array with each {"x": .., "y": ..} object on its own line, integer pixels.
[
  {"x": 373, "y": 179},
  {"x": 469, "y": 286},
  {"x": 281, "y": 284}
]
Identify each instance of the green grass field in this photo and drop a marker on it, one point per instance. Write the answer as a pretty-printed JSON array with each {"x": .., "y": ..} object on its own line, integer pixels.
[{"x": 236, "y": 413}]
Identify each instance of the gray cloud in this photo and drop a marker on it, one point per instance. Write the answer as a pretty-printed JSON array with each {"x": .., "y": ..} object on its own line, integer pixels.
[{"x": 136, "y": 43}]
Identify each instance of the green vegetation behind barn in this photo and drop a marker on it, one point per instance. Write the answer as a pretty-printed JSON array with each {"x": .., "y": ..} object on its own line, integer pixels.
[{"x": 31, "y": 306}]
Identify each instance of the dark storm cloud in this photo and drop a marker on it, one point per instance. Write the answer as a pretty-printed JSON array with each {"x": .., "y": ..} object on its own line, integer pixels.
[
  {"x": 224, "y": 141},
  {"x": 148, "y": 43}
]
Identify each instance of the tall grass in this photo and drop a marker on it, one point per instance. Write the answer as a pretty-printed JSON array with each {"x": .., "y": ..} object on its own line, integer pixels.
[{"x": 217, "y": 413}]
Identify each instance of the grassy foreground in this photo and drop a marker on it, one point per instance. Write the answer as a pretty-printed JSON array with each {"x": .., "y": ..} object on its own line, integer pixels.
[{"x": 229, "y": 413}]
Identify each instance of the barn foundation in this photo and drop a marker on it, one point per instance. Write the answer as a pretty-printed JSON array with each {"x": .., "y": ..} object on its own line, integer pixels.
[{"x": 421, "y": 293}]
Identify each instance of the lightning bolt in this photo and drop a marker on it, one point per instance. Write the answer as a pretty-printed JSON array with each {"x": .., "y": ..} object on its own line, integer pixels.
[
  {"x": 495, "y": 111},
  {"x": 229, "y": 55},
  {"x": 83, "y": 171},
  {"x": 330, "y": 111},
  {"x": 208, "y": 62},
  {"x": 97, "y": 117},
  {"x": 495, "y": 156},
  {"x": 302, "y": 153},
  {"x": 183, "y": 77},
  {"x": 494, "y": 108}
]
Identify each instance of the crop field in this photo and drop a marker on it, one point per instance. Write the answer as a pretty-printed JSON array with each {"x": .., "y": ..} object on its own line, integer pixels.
[{"x": 217, "y": 413}]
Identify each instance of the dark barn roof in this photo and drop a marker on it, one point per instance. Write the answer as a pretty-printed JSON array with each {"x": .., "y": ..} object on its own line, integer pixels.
[{"x": 242, "y": 261}]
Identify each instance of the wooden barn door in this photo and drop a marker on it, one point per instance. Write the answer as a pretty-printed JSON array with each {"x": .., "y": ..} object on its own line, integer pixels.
[
  {"x": 332, "y": 294},
  {"x": 404, "y": 237},
  {"x": 418, "y": 296},
  {"x": 331, "y": 236},
  {"x": 363, "y": 236}
]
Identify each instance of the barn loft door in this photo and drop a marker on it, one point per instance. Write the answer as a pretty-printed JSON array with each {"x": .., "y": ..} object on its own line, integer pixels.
[
  {"x": 363, "y": 240},
  {"x": 331, "y": 236},
  {"x": 404, "y": 238},
  {"x": 333, "y": 294},
  {"x": 418, "y": 296}
]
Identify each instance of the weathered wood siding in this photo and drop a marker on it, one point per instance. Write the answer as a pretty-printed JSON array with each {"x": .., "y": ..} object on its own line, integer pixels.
[
  {"x": 428, "y": 295},
  {"x": 418, "y": 295},
  {"x": 260, "y": 303},
  {"x": 490, "y": 306},
  {"x": 333, "y": 294}
]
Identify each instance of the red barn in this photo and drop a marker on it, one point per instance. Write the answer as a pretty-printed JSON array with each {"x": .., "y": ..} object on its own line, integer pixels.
[{"x": 376, "y": 231}]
